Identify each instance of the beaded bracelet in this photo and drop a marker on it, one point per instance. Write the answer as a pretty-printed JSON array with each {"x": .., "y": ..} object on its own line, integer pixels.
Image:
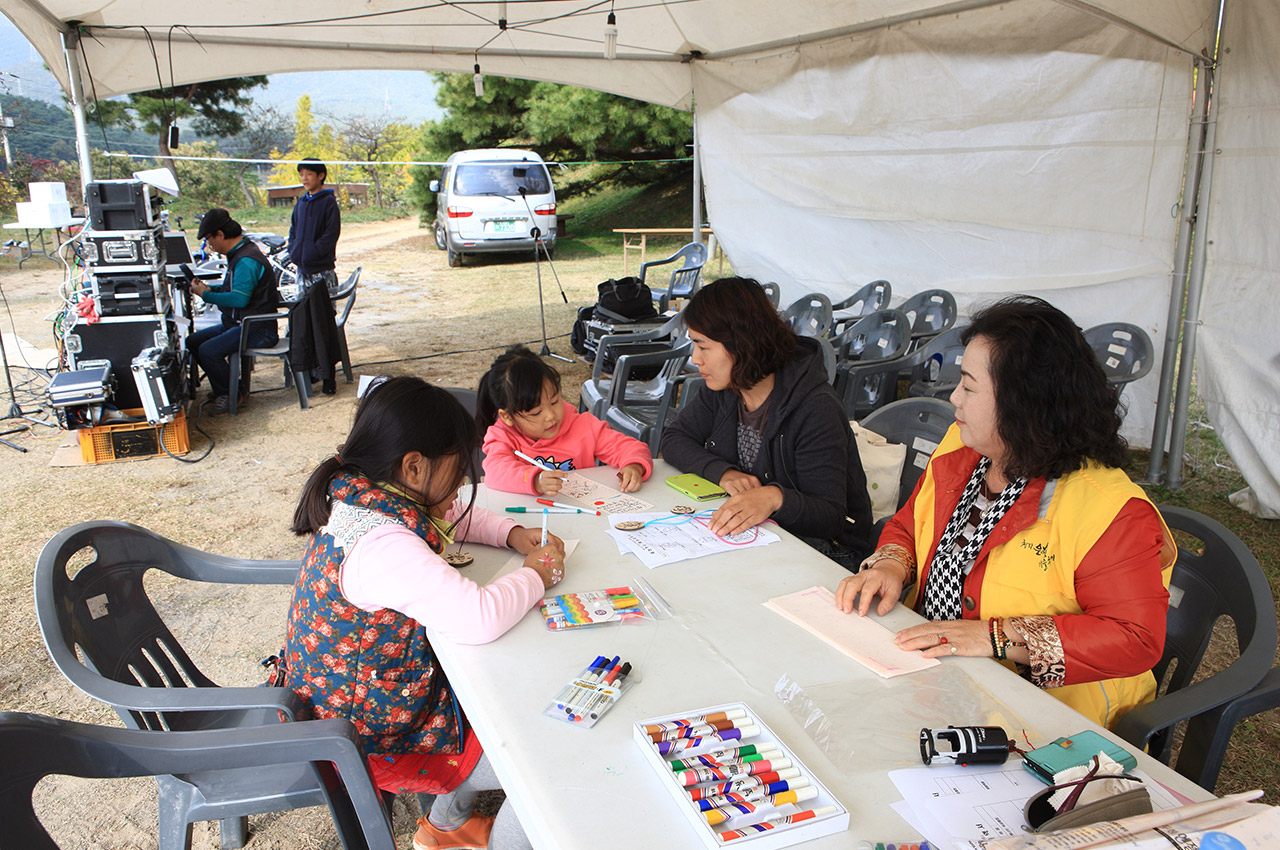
[{"x": 997, "y": 648}]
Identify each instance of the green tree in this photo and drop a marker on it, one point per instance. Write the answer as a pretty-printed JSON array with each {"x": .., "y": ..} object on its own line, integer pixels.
[{"x": 216, "y": 106}]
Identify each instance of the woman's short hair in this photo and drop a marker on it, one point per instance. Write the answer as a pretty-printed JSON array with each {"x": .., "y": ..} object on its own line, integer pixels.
[
  {"x": 1055, "y": 408},
  {"x": 736, "y": 312}
]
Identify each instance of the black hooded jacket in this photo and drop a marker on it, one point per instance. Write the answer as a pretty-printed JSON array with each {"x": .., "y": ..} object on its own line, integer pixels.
[{"x": 808, "y": 451}]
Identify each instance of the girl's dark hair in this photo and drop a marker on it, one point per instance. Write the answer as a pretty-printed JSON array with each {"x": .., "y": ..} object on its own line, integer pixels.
[
  {"x": 395, "y": 417},
  {"x": 1054, "y": 406},
  {"x": 513, "y": 383},
  {"x": 736, "y": 312}
]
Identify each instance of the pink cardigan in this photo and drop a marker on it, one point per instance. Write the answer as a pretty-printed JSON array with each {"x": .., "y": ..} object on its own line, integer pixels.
[
  {"x": 582, "y": 440},
  {"x": 391, "y": 567}
]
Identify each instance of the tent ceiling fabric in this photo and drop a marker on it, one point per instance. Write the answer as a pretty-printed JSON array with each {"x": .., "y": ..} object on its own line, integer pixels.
[{"x": 557, "y": 40}]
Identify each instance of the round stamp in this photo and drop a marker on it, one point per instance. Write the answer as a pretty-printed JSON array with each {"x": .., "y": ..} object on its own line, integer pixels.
[
  {"x": 630, "y": 525},
  {"x": 458, "y": 559},
  {"x": 682, "y": 509}
]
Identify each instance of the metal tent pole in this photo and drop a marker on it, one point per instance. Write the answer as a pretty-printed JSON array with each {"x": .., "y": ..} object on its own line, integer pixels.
[
  {"x": 1178, "y": 287},
  {"x": 70, "y": 45},
  {"x": 1195, "y": 290},
  {"x": 697, "y": 184}
]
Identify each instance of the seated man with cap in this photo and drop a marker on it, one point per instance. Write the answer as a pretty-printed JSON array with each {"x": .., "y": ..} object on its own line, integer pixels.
[{"x": 248, "y": 289}]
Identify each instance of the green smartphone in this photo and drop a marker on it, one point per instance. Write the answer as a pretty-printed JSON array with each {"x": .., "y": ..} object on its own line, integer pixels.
[
  {"x": 696, "y": 487},
  {"x": 1071, "y": 751}
]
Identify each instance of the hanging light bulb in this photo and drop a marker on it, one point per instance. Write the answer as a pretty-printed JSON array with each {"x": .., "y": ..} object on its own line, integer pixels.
[
  {"x": 611, "y": 37},
  {"x": 479, "y": 81}
]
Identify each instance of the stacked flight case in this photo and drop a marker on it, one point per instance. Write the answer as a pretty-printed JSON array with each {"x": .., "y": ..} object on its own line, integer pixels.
[{"x": 137, "y": 331}]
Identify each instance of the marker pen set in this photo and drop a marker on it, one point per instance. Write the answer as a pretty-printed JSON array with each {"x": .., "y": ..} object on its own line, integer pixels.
[
  {"x": 595, "y": 607},
  {"x": 735, "y": 781},
  {"x": 591, "y": 693}
]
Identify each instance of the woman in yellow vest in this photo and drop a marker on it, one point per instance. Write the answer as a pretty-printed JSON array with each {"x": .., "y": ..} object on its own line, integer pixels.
[{"x": 1023, "y": 539}]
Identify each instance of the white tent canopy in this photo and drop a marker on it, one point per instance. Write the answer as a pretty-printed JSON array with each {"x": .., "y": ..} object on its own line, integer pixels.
[{"x": 979, "y": 146}]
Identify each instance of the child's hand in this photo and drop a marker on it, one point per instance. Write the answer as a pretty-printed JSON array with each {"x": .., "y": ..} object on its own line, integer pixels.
[
  {"x": 631, "y": 476},
  {"x": 549, "y": 481},
  {"x": 525, "y": 540},
  {"x": 548, "y": 563}
]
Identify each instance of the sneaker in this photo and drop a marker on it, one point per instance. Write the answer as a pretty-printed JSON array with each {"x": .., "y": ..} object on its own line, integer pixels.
[
  {"x": 220, "y": 406},
  {"x": 472, "y": 835}
]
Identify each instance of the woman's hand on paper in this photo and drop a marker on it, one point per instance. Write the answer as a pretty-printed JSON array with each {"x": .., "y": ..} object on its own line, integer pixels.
[
  {"x": 747, "y": 509},
  {"x": 884, "y": 579},
  {"x": 735, "y": 481},
  {"x": 941, "y": 639}
]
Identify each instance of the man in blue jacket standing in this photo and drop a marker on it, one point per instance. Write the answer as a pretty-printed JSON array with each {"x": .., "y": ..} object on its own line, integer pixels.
[
  {"x": 315, "y": 228},
  {"x": 313, "y": 241}
]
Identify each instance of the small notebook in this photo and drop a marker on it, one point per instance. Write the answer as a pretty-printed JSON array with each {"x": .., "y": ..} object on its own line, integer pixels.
[{"x": 861, "y": 638}]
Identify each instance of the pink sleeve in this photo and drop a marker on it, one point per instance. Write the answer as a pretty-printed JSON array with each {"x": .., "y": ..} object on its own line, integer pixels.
[
  {"x": 502, "y": 469},
  {"x": 617, "y": 449},
  {"x": 391, "y": 567},
  {"x": 480, "y": 526}
]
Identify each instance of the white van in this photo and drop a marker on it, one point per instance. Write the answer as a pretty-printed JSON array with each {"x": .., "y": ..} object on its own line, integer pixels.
[{"x": 490, "y": 200}]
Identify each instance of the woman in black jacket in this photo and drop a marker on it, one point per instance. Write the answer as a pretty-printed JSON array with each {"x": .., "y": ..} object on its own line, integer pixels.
[{"x": 768, "y": 427}]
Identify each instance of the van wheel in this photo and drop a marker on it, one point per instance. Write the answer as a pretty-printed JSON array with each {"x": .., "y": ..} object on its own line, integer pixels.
[
  {"x": 455, "y": 259},
  {"x": 440, "y": 238}
]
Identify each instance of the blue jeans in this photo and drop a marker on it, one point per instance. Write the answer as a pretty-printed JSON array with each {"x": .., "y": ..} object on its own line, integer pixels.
[{"x": 214, "y": 347}]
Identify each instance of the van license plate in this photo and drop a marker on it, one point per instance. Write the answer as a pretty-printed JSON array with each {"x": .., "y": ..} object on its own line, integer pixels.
[{"x": 502, "y": 227}]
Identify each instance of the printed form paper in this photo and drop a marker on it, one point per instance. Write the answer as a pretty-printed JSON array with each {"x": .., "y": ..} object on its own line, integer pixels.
[
  {"x": 600, "y": 497},
  {"x": 861, "y": 638},
  {"x": 961, "y": 808},
  {"x": 677, "y": 539}
]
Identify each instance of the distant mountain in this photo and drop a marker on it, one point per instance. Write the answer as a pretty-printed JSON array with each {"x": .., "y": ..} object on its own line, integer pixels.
[{"x": 406, "y": 95}]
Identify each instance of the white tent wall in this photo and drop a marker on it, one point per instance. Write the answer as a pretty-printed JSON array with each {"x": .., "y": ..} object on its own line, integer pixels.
[
  {"x": 1238, "y": 355},
  {"x": 1022, "y": 148}
]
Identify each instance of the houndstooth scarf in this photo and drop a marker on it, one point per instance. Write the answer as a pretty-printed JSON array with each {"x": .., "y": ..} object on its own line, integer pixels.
[{"x": 945, "y": 583}]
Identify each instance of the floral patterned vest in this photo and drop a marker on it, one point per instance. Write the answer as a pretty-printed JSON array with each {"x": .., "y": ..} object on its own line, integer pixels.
[{"x": 375, "y": 669}]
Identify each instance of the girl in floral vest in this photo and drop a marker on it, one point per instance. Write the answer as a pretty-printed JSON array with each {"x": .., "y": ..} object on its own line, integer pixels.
[{"x": 380, "y": 513}]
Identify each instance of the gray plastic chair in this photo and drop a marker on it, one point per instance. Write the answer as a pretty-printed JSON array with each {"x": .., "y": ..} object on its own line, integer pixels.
[
  {"x": 133, "y": 662},
  {"x": 933, "y": 369},
  {"x": 917, "y": 423},
  {"x": 809, "y": 315},
  {"x": 593, "y": 397},
  {"x": 299, "y": 380},
  {"x": 870, "y": 353},
  {"x": 867, "y": 300},
  {"x": 685, "y": 278},
  {"x": 643, "y": 415},
  {"x": 1124, "y": 350},
  {"x": 346, "y": 293},
  {"x": 773, "y": 291},
  {"x": 1225, "y": 580},
  {"x": 36, "y": 746},
  {"x": 931, "y": 312}
]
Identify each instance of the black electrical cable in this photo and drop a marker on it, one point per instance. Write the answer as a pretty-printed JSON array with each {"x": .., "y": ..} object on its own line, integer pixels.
[
  {"x": 504, "y": 346},
  {"x": 194, "y": 424},
  {"x": 93, "y": 88}
]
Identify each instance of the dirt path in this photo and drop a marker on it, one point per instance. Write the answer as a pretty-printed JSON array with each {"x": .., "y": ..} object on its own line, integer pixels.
[{"x": 413, "y": 316}]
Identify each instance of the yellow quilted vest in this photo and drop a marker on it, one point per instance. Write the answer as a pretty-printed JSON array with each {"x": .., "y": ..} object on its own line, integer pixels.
[{"x": 1033, "y": 573}]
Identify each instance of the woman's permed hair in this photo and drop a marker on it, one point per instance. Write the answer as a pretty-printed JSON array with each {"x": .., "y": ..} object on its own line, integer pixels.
[
  {"x": 395, "y": 417},
  {"x": 1055, "y": 408},
  {"x": 513, "y": 383},
  {"x": 736, "y": 312}
]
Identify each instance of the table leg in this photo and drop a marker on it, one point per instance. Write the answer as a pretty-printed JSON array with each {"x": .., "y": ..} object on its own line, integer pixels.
[{"x": 644, "y": 238}]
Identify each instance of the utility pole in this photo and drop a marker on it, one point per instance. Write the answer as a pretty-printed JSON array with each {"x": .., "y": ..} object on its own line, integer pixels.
[{"x": 5, "y": 124}]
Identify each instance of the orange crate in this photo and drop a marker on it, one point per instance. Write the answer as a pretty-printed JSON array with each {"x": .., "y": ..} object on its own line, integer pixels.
[{"x": 130, "y": 441}]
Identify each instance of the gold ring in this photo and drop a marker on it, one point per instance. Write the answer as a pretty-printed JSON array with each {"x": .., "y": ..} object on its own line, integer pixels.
[{"x": 953, "y": 649}]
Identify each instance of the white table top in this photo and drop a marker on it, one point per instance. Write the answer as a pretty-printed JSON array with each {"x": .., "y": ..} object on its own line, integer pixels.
[{"x": 720, "y": 646}]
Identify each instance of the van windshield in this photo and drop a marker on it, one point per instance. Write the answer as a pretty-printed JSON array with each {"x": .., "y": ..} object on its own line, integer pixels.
[{"x": 501, "y": 178}]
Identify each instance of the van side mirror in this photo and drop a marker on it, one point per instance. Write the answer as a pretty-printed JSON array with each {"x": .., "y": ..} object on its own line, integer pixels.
[{"x": 434, "y": 185}]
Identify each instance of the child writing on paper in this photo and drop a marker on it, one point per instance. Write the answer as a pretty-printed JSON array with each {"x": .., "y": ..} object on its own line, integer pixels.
[
  {"x": 520, "y": 406},
  {"x": 379, "y": 514}
]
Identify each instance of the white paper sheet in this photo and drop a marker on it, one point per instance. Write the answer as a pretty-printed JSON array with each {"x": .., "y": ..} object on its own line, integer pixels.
[
  {"x": 679, "y": 538},
  {"x": 861, "y": 638},
  {"x": 599, "y": 496}
]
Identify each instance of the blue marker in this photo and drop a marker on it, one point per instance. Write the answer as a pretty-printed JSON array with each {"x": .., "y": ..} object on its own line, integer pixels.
[{"x": 594, "y": 669}]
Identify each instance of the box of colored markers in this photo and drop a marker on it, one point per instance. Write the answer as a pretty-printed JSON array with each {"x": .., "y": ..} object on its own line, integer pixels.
[
  {"x": 590, "y": 694},
  {"x": 736, "y": 782},
  {"x": 598, "y": 607}
]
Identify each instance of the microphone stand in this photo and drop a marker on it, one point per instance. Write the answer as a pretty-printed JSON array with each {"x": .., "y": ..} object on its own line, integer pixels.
[
  {"x": 536, "y": 233},
  {"x": 15, "y": 409}
]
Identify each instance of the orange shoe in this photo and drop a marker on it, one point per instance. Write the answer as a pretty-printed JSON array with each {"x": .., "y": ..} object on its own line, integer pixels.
[{"x": 472, "y": 835}]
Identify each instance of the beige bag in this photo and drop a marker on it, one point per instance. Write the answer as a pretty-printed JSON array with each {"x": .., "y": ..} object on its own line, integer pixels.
[{"x": 882, "y": 461}]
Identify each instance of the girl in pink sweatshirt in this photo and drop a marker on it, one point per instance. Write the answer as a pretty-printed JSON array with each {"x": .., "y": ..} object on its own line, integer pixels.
[{"x": 520, "y": 406}]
